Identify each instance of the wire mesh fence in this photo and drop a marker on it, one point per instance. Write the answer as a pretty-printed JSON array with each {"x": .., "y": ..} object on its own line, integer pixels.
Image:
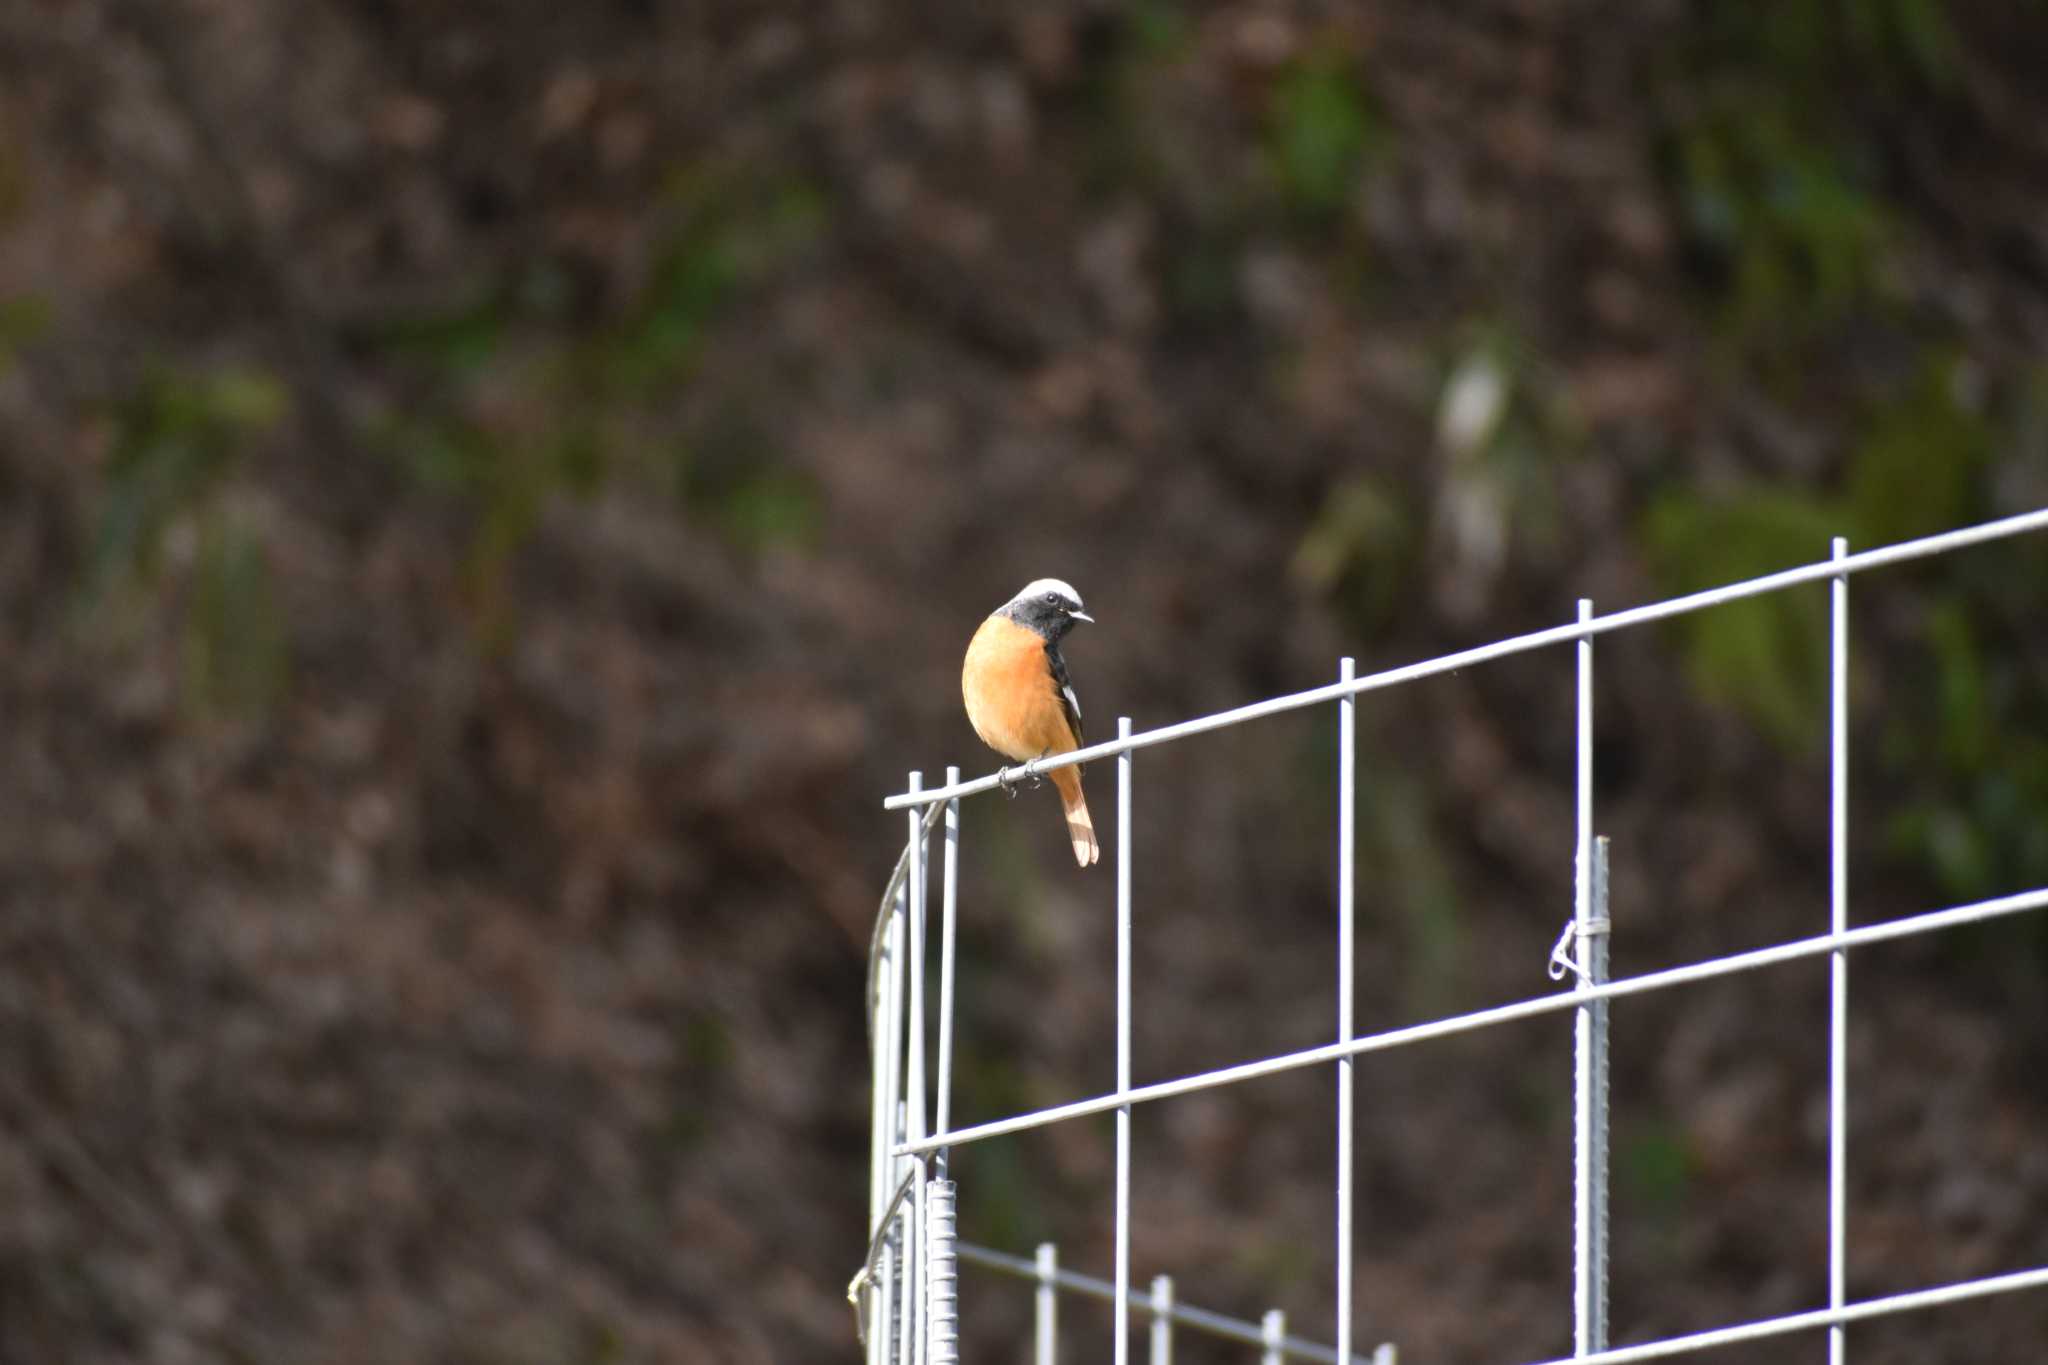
[{"x": 906, "y": 1294}]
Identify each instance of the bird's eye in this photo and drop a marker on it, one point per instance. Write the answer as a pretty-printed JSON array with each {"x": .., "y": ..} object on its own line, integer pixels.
[{"x": 1052, "y": 599}]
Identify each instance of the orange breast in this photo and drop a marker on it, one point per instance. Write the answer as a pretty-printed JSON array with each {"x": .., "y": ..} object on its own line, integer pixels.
[{"x": 1012, "y": 700}]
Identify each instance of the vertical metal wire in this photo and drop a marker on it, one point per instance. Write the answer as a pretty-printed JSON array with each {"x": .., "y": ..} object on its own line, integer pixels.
[
  {"x": 949, "y": 896},
  {"x": 914, "y": 1072},
  {"x": 941, "y": 1277},
  {"x": 1347, "y": 783},
  {"x": 908, "y": 1337},
  {"x": 1589, "y": 1053},
  {"x": 911, "y": 1230},
  {"x": 941, "y": 1272},
  {"x": 1123, "y": 1044},
  {"x": 878, "y": 1147},
  {"x": 879, "y": 1163},
  {"x": 1838, "y": 1005},
  {"x": 911, "y": 1252},
  {"x": 890, "y": 1043},
  {"x": 1046, "y": 1317},
  {"x": 870, "y": 1311},
  {"x": 894, "y": 1261},
  {"x": 885, "y": 1304},
  {"x": 1273, "y": 1332},
  {"x": 1162, "y": 1320}
]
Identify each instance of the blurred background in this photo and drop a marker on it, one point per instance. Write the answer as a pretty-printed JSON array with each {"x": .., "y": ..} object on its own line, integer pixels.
[{"x": 493, "y": 495}]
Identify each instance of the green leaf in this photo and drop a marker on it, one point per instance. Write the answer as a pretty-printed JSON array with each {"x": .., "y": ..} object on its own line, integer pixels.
[
  {"x": 176, "y": 438},
  {"x": 459, "y": 341},
  {"x": 236, "y": 645},
  {"x": 1916, "y": 467},
  {"x": 1358, "y": 549},
  {"x": 1656, "y": 1167},
  {"x": 1965, "y": 710},
  {"x": 23, "y": 319},
  {"x": 1765, "y": 656},
  {"x": 1321, "y": 127}
]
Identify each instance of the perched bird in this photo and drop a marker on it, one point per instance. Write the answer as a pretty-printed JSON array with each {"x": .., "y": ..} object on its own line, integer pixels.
[{"x": 1018, "y": 697}]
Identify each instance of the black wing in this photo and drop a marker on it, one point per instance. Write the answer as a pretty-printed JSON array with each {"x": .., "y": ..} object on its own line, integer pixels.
[{"x": 1069, "y": 703}]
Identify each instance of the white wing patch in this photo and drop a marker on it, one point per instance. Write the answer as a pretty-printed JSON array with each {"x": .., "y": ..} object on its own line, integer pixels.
[{"x": 1058, "y": 665}]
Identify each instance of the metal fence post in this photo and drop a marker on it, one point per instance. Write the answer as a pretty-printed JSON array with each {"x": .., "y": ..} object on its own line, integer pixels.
[
  {"x": 941, "y": 1275},
  {"x": 1589, "y": 1053},
  {"x": 1596, "y": 945}
]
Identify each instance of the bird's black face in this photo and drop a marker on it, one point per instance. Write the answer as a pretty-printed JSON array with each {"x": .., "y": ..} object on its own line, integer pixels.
[{"x": 1047, "y": 606}]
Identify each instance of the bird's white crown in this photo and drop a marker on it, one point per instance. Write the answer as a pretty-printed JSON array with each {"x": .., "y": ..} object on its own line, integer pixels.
[{"x": 1038, "y": 587}]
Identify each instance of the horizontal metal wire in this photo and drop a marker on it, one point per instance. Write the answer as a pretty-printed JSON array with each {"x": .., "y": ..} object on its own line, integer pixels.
[
  {"x": 1518, "y": 644},
  {"x": 1201, "y": 1319},
  {"x": 1820, "y": 944},
  {"x": 1819, "y": 1317}
]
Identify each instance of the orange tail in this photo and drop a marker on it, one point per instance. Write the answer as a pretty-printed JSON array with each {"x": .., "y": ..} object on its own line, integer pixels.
[{"x": 1080, "y": 828}]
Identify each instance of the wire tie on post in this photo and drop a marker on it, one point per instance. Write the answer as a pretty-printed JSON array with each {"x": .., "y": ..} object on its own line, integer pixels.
[
  {"x": 1561, "y": 960},
  {"x": 1561, "y": 952},
  {"x": 884, "y": 1230}
]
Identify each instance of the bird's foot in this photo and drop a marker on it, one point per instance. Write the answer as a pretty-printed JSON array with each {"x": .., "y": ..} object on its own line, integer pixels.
[{"x": 1007, "y": 779}]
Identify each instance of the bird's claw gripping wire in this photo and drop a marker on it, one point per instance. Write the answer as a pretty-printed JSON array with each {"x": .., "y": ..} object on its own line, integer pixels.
[{"x": 1007, "y": 779}]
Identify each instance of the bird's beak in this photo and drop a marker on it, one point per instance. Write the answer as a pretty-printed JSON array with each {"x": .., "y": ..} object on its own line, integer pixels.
[{"x": 1080, "y": 616}]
